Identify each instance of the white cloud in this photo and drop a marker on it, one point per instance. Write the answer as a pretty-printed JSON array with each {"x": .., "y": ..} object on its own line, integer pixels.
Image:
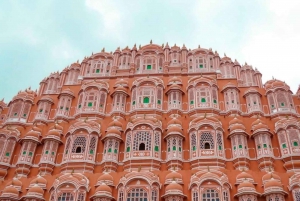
[
  {"x": 110, "y": 14},
  {"x": 274, "y": 44}
]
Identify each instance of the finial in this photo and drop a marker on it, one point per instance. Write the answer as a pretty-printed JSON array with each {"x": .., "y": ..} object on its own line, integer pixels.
[
  {"x": 140, "y": 46},
  {"x": 175, "y": 45},
  {"x": 103, "y": 50},
  {"x": 198, "y": 46},
  {"x": 127, "y": 47},
  {"x": 183, "y": 45},
  {"x": 92, "y": 53},
  {"x": 151, "y": 41},
  {"x": 173, "y": 178},
  {"x": 86, "y": 119},
  {"x": 208, "y": 169},
  {"x": 140, "y": 167},
  {"x": 72, "y": 171},
  {"x": 225, "y": 54},
  {"x": 77, "y": 61},
  {"x": 205, "y": 115},
  {"x": 162, "y": 46},
  {"x": 246, "y": 63},
  {"x": 134, "y": 46}
]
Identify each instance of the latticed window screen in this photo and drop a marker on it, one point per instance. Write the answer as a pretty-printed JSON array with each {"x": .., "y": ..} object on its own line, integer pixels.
[
  {"x": 297, "y": 194},
  {"x": 154, "y": 195},
  {"x": 81, "y": 197},
  {"x": 206, "y": 138},
  {"x": 2, "y": 142},
  {"x": 169, "y": 144},
  {"x": 102, "y": 99},
  {"x": 121, "y": 195},
  {"x": 195, "y": 195},
  {"x": 142, "y": 137},
  {"x": 159, "y": 95},
  {"x": 156, "y": 141},
  {"x": 116, "y": 147},
  {"x": 293, "y": 136},
  {"x": 68, "y": 145},
  {"x": 225, "y": 196},
  {"x": 219, "y": 141},
  {"x": 210, "y": 195},
  {"x": 92, "y": 145},
  {"x": 193, "y": 142},
  {"x": 191, "y": 96},
  {"x": 79, "y": 142},
  {"x": 66, "y": 197},
  {"x": 271, "y": 101},
  {"x": 137, "y": 194},
  {"x": 110, "y": 146},
  {"x": 128, "y": 142},
  {"x": 174, "y": 144},
  {"x": 16, "y": 109},
  {"x": 10, "y": 145},
  {"x": 282, "y": 139},
  {"x": 281, "y": 99}
]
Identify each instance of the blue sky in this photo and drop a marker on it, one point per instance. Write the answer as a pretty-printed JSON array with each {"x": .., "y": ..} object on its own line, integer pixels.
[{"x": 40, "y": 37}]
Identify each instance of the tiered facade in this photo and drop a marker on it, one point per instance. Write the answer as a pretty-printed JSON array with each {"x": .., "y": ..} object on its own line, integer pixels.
[{"x": 152, "y": 123}]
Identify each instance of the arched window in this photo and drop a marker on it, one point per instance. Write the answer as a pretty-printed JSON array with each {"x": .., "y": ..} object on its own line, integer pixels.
[
  {"x": 138, "y": 194},
  {"x": 193, "y": 142},
  {"x": 297, "y": 194},
  {"x": 210, "y": 195},
  {"x": 195, "y": 195},
  {"x": 207, "y": 145},
  {"x": 142, "y": 147},
  {"x": 142, "y": 137},
  {"x": 66, "y": 197},
  {"x": 146, "y": 100}
]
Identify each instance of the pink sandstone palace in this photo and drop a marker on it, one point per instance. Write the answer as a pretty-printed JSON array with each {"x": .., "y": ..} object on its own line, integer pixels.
[{"x": 152, "y": 123}]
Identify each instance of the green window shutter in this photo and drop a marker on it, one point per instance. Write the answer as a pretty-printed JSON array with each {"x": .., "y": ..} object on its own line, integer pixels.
[
  {"x": 201, "y": 66},
  {"x": 24, "y": 152},
  {"x": 41, "y": 110},
  {"x": 156, "y": 148},
  {"x": 179, "y": 148},
  {"x": 159, "y": 102},
  {"x": 169, "y": 149},
  {"x": 192, "y": 102},
  {"x": 61, "y": 107},
  {"x": 53, "y": 153},
  {"x": 133, "y": 103},
  {"x": 240, "y": 146},
  {"x": 46, "y": 152},
  {"x": 194, "y": 148},
  {"x": 282, "y": 104},
  {"x": 101, "y": 105},
  {"x": 203, "y": 100},
  {"x": 30, "y": 154},
  {"x": 174, "y": 148},
  {"x": 90, "y": 104},
  {"x": 128, "y": 149},
  {"x": 295, "y": 144},
  {"x": 91, "y": 151},
  {"x": 149, "y": 67},
  {"x": 79, "y": 106},
  {"x": 215, "y": 101},
  {"x": 146, "y": 100},
  {"x": 24, "y": 115},
  {"x": 7, "y": 154},
  {"x": 283, "y": 145},
  {"x": 109, "y": 150},
  {"x": 115, "y": 151},
  {"x": 98, "y": 71},
  {"x": 15, "y": 114},
  {"x": 265, "y": 146},
  {"x": 272, "y": 106},
  {"x": 258, "y": 146},
  {"x": 254, "y": 103},
  {"x": 67, "y": 109},
  {"x": 220, "y": 147},
  {"x": 234, "y": 148},
  {"x": 66, "y": 151}
]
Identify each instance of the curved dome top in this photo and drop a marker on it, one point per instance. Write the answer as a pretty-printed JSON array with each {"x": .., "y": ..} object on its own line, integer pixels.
[
  {"x": 245, "y": 184},
  {"x": 235, "y": 121},
  {"x": 115, "y": 123},
  {"x": 270, "y": 175},
  {"x": 103, "y": 188},
  {"x": 174, "y": 80},
  {"x": 174, "y": 186},
  {"x": 174, "y": 121},
  {"x": 272, "y": 84},
  {"x": 105, "y": 177},
  {"x": 15, "y": 182},
  {"x": 174, "y": 129},
  {"x": 39, "y": 180},
  {"x": 113, "y": 131},
  {"x": 36, "y": 189},
  {"x": 122, "y": 82},
  {"x": 11, "y": 190},
  {"x": 53, "y": 132},
  {"x": 258, "y": 124},
  {"x": 57, "y": 127},
  {"x": 244, "y": 175},
  {"x": 174, "y": 175},
  {"x": 272, "y": 183}
]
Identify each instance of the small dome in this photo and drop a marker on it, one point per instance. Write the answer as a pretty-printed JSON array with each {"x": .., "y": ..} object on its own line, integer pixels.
[
  {"x": 113, "y": 131},
  {"x": 235, "y": 121},
  {"x": 54, "y": 133},
  {"x": 103, "y": 187},
  {"x": 36, "y": 189},
  {"x": 272, "y": 183},
  {"x": 244, "y": 175},
  {"x": 175, "y": 79},
  {"x": 33, "y": 134},
  {"x": 37, "y": 129},
  {"x": 115, "y": 123},
  {"x": 15, "y": 182},
  {"x": 237, "y": 127},
  {"x": 174, "y": 175},
  {"x": 246, "y": 184},
  {"x": 174, "y": 129},
  {"x": 39, "y": 180},
  {"x": 121, "y": 82},
  {"x": 174, "y": 186},
  {"x": 174, "y": 121},
  {"x": 56, "y": 127},
  {"x": 11, "y": 189},
  {"x": 269, "y": 176},
  {"x": 105, "y": 177}
]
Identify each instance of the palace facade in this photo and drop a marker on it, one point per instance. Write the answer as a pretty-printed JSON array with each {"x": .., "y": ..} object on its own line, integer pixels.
[{"x": 152, "y": 123}]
